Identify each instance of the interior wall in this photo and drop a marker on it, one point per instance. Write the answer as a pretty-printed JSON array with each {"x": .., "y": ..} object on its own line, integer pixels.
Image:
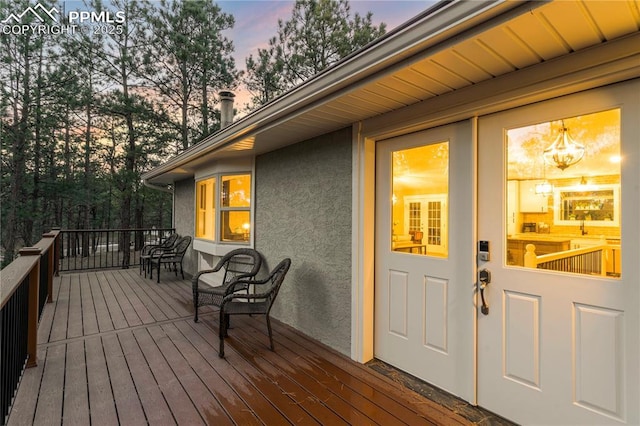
[{"x": 303, "y": 211}]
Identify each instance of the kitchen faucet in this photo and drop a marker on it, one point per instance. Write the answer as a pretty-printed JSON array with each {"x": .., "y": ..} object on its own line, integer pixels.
[{"x": 584, "y": 232}]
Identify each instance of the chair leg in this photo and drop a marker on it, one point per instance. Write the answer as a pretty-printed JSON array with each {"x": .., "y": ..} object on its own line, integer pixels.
[
  {"x": 270, "y": 333},
  {"x": 221, "y": 333},
  {"x": 159, "y": 272},
  {"x": 227, "y": 324},
  {"x": 181, "y": 270},
  {"x": 195, "y": 306}
]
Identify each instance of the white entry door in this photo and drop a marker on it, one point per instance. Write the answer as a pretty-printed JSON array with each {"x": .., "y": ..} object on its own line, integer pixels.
[
  {"x": 560, "y": 342},
  {"x": 424, "y": 274}
]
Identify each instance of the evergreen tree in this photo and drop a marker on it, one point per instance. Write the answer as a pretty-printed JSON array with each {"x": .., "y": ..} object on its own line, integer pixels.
[
  {"x": 187, "y": 58},
  {"x": 318, "y": 34}
]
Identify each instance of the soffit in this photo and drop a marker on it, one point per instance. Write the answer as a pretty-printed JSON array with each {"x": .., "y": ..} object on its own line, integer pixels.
[{"x": 536, "y": 34}]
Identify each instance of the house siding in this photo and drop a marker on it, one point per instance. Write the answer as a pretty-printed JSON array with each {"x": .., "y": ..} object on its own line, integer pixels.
[
  {"x": 303, "y": 211},
  {"x": 184, "y": 202}
]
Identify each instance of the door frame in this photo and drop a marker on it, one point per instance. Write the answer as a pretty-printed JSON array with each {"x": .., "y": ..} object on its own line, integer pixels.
[
  {"x": 363, "y": 260},
  {"x": 363, "y": 215}
]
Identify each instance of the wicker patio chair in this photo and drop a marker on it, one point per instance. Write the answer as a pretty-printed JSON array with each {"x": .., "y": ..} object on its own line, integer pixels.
[
  {"x": 238, "y": 263},
  {"x": 173, "y": 256},
  {"x": 257, "y": 303},
  {"x": 145, "y": 253}
]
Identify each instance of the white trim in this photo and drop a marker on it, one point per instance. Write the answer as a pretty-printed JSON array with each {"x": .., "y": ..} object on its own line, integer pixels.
[
  {"x": 216, "y": 248},
  {"x": 363, "y": 250}
]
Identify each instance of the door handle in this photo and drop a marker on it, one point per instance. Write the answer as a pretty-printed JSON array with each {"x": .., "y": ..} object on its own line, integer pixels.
[{"x": 485, "y": 279}]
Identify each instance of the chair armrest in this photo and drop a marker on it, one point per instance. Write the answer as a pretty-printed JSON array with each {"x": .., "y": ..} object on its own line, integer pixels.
[
  {"x": 251, "y": 296},
  {"x": 196, "y": 276},
  {"x": 241, "y": 282},
  {"x": 154, "y": 251}
]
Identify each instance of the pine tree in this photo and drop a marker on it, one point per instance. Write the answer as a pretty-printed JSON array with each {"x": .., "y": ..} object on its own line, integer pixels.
[
  {"x": 187, "y": 58},
  {"x": 318, "y": 34}
]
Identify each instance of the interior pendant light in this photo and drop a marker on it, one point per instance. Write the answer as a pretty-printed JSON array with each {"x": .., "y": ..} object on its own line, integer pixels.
[
  {"x": 545, "y": 187},
  {"x": 564, "y": 151}
]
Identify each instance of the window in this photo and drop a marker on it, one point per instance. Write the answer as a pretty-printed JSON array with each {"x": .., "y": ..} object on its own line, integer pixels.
[
  {"x": 205, "y": 208},
  {"x": 235, "y": 203},
  {"x": 231, "y": 220},
  {"x": 420, "y": 184},
  {"x": 563, "y": 210}
]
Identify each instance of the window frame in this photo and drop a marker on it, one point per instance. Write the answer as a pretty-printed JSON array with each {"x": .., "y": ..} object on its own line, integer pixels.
[
  {"x": 207, "y": 244},
  {"x": 222, "y": 209}
]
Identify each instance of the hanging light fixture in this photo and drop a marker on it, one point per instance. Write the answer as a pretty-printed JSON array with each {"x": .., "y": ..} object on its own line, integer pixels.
[
  {"x": 564, "y": 151},
  {"x": 545, "y": 187}
]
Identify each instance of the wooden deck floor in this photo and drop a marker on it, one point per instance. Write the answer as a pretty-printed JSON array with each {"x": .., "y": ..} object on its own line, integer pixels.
[{"x": 116, "y": 348}]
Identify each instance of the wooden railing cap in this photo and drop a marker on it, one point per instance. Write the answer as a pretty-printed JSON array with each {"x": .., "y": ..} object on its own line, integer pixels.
[{"x": 30, "y": 251}]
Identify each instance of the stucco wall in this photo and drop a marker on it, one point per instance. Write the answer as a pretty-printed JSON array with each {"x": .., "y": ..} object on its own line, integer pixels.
[
  {"x": 184, "y": 202},
  {"x": 303, "y": 211}
]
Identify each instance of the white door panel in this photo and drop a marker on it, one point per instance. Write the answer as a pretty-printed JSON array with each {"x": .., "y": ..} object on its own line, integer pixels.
[
  {"x": 424, "y": 312},
  {"x": 556, "y": 347}
]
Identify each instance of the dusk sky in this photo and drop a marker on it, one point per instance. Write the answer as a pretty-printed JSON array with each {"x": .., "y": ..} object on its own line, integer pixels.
[{"x": 257, "y": 22}]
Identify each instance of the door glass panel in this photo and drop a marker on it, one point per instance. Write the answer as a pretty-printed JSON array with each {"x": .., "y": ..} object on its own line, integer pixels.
[
  {"x": 563, "y": 195},
  {"x": 420, "y": 185}
]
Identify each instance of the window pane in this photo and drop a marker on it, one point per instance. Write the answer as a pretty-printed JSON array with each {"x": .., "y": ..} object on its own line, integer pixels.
[
  {"x": 205, "y": 208},
  {"x": 236, "y": 191},
  {"x": 420, "y": 195},
  {"x": 563, "y": 195},
  {"x": 236, "y": 225}
]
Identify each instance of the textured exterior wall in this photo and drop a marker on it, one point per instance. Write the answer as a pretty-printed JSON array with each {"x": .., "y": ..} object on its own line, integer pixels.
[
  {"x": 303, "y": 211},
  {"x": 184, "y": 217}
]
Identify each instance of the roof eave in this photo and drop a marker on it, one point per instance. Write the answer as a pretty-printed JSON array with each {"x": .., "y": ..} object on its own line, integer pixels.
[{"x": 444, "y": 21}]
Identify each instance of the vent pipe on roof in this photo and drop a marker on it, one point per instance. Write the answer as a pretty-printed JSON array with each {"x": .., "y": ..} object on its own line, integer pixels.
[{"x": 226, "y": 108}]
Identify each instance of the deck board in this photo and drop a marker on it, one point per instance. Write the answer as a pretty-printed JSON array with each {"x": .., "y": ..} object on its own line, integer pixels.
[
  {"x": 89, "y": 318},
  {"x": 127, "y": 400},
  {"x": 103, "y": 409},
  {"x": 76, "y": 397},
  {"x": 151, "y": 397},
  {"x": 103, "y": 318},
  {"x": 118, "y": 348}
]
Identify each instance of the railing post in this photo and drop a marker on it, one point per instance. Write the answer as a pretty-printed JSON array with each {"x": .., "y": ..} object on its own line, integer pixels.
[
  {"x": 530, "y": 257},
  {"x": 56, "y": 251},
  {"x": 51, "y": 255},
  {"x": 32, "y": 326}
]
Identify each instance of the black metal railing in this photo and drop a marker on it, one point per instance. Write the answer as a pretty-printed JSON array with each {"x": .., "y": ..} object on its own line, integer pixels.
[
  {"x": 106, "y": 248},
  {"x": 25, "y": 285},
  {"x": 13, "y": 350}
]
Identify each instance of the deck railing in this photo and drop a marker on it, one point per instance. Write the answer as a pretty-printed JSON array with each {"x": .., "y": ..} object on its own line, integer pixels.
[
  {"x": 25, "y": 286},
  {"x": 83, "y": 249},
  {"x": 587, "y": 260}
]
